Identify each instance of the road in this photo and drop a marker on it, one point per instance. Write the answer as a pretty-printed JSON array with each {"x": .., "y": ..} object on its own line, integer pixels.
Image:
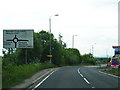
[{"x": 78, "y": 77}]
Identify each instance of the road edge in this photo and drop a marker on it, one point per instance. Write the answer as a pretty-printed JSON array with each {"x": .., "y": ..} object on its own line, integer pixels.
[{"x": 30, "y": 81}]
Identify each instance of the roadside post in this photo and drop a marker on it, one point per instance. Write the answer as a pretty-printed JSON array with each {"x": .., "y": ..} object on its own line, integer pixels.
[{"x": 18, "y": 38}]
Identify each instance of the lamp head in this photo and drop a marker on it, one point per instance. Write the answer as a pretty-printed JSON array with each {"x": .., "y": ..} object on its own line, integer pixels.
[{"x": 56, "y": 14}]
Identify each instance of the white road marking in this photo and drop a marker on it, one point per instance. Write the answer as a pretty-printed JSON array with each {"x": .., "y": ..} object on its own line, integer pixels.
[
  {"x": 43, "y": 80},
  {"x": 110, "y": 74},
  {"x": 42, "y": 76},
  {"x": 86, "y": 80},
  {"x": 78, "y": 70},
  {"x": 83, "y": 76}
]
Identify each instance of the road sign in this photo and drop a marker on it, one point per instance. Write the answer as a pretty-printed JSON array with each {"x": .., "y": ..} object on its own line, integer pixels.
[
  {"x": 49, "y": 55},
  {"x": 18, "y": 38}
]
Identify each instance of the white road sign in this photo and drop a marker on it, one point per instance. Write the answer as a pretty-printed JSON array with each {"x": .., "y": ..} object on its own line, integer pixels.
[{"x": 18, "y": 38}]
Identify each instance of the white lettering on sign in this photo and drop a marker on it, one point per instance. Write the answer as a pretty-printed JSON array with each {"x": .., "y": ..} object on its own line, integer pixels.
[{"x": 18, "y": 38}]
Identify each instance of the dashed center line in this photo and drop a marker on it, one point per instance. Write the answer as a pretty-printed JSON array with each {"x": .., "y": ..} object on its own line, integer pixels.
[
  {"x": 86, "y": 80},
  {"x": 84, "y": 77},
  {"x": 81, "y": 75}
]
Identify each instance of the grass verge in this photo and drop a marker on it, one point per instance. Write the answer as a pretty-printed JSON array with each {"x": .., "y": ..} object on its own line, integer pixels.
[
  {"x": 113, "y": 71},
  {"x": 101, "y": 67},
  {"x": 110, "y": 71},
  {"x": 13, "y": 75}
]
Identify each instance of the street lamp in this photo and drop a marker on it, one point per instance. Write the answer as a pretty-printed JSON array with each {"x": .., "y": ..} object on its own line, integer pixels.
[
  {"x": 93, "y": 49},
  {"x": 50, "y": 56},
  {"x": 73, "y": 40}
]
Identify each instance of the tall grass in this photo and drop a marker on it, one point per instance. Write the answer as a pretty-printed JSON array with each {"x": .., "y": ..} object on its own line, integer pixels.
[{"x": 13, "y": 74}]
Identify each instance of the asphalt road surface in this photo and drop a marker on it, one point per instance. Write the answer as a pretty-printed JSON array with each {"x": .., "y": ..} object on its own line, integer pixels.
[{"x": 78, "y": 77}]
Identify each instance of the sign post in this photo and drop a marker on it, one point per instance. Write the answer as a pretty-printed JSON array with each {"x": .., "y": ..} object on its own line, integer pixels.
[{"x": 22, "y": 38}]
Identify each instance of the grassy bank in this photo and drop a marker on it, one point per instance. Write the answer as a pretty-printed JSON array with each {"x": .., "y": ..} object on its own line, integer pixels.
[{"x": 13, "y": 75}]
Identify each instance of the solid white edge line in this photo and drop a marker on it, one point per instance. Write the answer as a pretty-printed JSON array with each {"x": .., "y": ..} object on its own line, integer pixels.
[
  {"x": 42, "y": 76},
  {"x": 86, "y": 80},
  {"x": 110, "y": 74},
  {"x": 43, "y": 80}
]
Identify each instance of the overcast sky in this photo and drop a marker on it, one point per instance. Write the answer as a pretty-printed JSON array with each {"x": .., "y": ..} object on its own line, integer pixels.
[{"x": 95, "y": 22}]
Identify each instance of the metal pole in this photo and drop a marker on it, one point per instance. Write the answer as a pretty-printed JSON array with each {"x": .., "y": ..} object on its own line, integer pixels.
[
  {"x": 26, "y": 56},
  {"x": 50, "y": 24},
  {"x": 92, "y": 49},
  {"x": 119, "y": 27},
  {"x": 50, "y": 39},
  {"x": 73, "y": 41}
]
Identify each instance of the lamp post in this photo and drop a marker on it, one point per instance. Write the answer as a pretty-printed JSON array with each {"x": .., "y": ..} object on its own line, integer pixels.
[
  {"x": 50, "y": 56},
  {"x": 93, "y": 49},
  {"x": 73, "y": 40}
]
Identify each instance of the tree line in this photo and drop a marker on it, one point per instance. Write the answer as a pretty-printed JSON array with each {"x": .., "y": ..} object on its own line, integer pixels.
[{"x": 61, "y": 55}]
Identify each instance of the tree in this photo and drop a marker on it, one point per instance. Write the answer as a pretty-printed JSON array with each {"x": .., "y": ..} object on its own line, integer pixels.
[
  {"x": 73, "y": 56},
  {"x": 88, "y": 59}
]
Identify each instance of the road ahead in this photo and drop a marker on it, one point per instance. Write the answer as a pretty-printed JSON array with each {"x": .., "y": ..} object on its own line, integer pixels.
[{"x": 78, "y": 77}]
